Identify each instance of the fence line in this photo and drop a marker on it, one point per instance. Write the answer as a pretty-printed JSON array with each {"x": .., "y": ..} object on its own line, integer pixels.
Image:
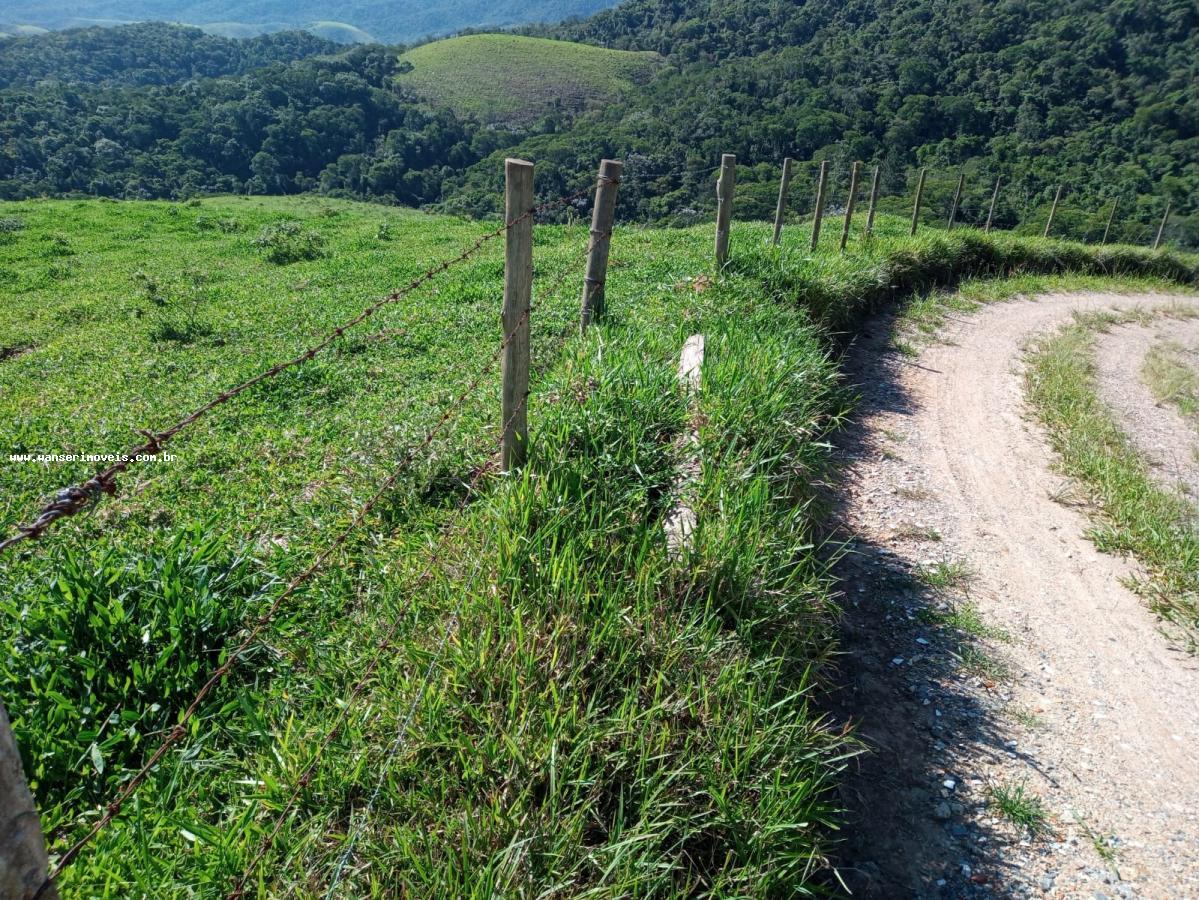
[
  {"x": 347, "y": 707},
  {"x": 518, "y": 229},
  {"x": 73, "y": 499},
  {"x": 218, "y": 675}
]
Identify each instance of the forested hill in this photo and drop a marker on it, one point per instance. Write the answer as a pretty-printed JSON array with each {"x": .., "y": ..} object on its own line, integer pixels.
[
  {"x": 334, "y": 124},
  {"x": 147, "y": 53},
  {"x": 1097, "y": 96}
]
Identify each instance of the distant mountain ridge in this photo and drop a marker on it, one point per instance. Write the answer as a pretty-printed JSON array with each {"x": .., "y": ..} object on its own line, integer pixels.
[
  {"x": 147, "y": 53},
  {"x": 389, "y": 21}
]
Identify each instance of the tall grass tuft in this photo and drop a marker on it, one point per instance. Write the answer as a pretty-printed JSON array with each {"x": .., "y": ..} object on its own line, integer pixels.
[{"x": 103, "y": 655}]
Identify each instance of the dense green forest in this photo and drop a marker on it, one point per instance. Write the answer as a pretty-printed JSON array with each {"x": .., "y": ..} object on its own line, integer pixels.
[
  {"x": 1099, "y": 96},
  {"x": 147, "y": 53},
  {"x": 1093, "y": 95},
  {"x": 332, "y": 124}
]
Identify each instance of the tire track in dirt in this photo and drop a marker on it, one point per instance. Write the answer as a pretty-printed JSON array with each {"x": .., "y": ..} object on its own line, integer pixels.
[
  {"x": 1095, "y": 712},
  {"x": 1158, "y": 431}
]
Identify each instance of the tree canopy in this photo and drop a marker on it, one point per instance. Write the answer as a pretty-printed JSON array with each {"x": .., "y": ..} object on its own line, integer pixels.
[
  {"x": 147, "y": 53},
  {"x": 1097, "y": 96}
]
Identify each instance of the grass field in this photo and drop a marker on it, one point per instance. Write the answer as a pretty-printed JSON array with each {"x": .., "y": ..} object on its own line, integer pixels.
[
  {"x": 566, "y": 708},
  {"x": 504, "y": 78}
]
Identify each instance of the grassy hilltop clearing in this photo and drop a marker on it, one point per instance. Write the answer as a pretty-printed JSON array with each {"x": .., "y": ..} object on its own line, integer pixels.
[
  {"x": 516, "y": 80},
  {"x": 577, "y": 710}
]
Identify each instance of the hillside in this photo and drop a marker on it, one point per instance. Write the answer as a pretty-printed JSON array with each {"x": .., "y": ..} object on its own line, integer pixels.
[
  {"x": 559, "y": 672},
  {"x": 330, "y": 123},
  {"x": 1090, "y": 96},
  {"x": 151, "y": 53},
  {"x": 561, "y": 682},
  {"x": 383, "y": 20},
  {"x": 1094, "y": 95},
  {"x": 513, "y": 80}
]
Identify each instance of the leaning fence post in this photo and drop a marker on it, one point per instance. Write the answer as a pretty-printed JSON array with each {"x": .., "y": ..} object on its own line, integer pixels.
[
  {"x": 602, "y": 218},
  {"x": 1053, "y": 210},
  {"x": 518, "y": 296},
  {"x": 781, "y": 208},
  {"x": 873, "y": 201},
  {"x": 1161, "y": 229},
  {"x": 957, "y": 199},
  {"x": 818, "y": 215},
  {"x": 918, "y": 200},
  {"x": 23, "y": 864},
  {"x": 725, "y": 186},
  {"x": 1111, "y": 217},
  {"x": 853, "y": 193},
  {"x": 994, "y": 200}
]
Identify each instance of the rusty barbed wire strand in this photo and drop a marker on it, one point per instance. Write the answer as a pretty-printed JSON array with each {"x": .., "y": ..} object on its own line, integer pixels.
[
  {"x": 179, "y": 730},
  {"x": 218, "y": 674},
  {"x": 347, "y": 706},
  {"x": 71, "y": 500},
  {"x": 305, "y": 778}
]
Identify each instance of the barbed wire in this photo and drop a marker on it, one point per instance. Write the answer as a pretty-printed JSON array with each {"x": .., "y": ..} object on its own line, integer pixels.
[
  {"x": 71, "y": 500},
  {"x": 633, "y": 174},
  {"x": 218, "y": 675},
  {"x": 347, "y": 706},
  {"x": 402, "y": 731}
]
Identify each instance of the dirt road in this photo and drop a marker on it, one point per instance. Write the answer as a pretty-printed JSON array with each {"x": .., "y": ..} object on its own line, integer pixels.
[
  {"x": 1159, "y": 431},
  {"x": 1079, "y": 698}
]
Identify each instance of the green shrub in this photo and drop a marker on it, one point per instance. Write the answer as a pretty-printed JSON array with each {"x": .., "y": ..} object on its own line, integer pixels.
[
  {"x": 149, "y": 287},
  {"x": 287, "y": 242},
  {"x": 175, "y": 328},
  {"x": 213, "y": 223},
  {"x": 111, "y": 650},
  {"x": 57, "y": 245}
]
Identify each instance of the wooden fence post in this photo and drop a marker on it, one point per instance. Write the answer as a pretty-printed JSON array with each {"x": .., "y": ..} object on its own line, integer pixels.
[
  {"x": 994, "y": 200},
  {"x": 918, "y": 201},
  {"x": 602, "y": 217},
  {"x": 23, "y": 864},
  {"x": 818, "y": 215},
  {"x": 1053, "y": 210},
  {"x": 873, "y": 201},
  {"x": 518, "y": 296},
  {"x": 725, "y": 187},
  {"x": 1161, "y": 229},
  {"x": 1111, "y": 217},
  {"x": 781, "y": 208},
  {"x": 957, "y": 199},
  {"x": 853, "y": 193}
]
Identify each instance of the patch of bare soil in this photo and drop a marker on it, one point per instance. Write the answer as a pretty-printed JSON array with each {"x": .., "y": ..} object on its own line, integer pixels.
[
  {"x": 1073, "y": 695},
  {"x": 1159, "y": 431}
]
